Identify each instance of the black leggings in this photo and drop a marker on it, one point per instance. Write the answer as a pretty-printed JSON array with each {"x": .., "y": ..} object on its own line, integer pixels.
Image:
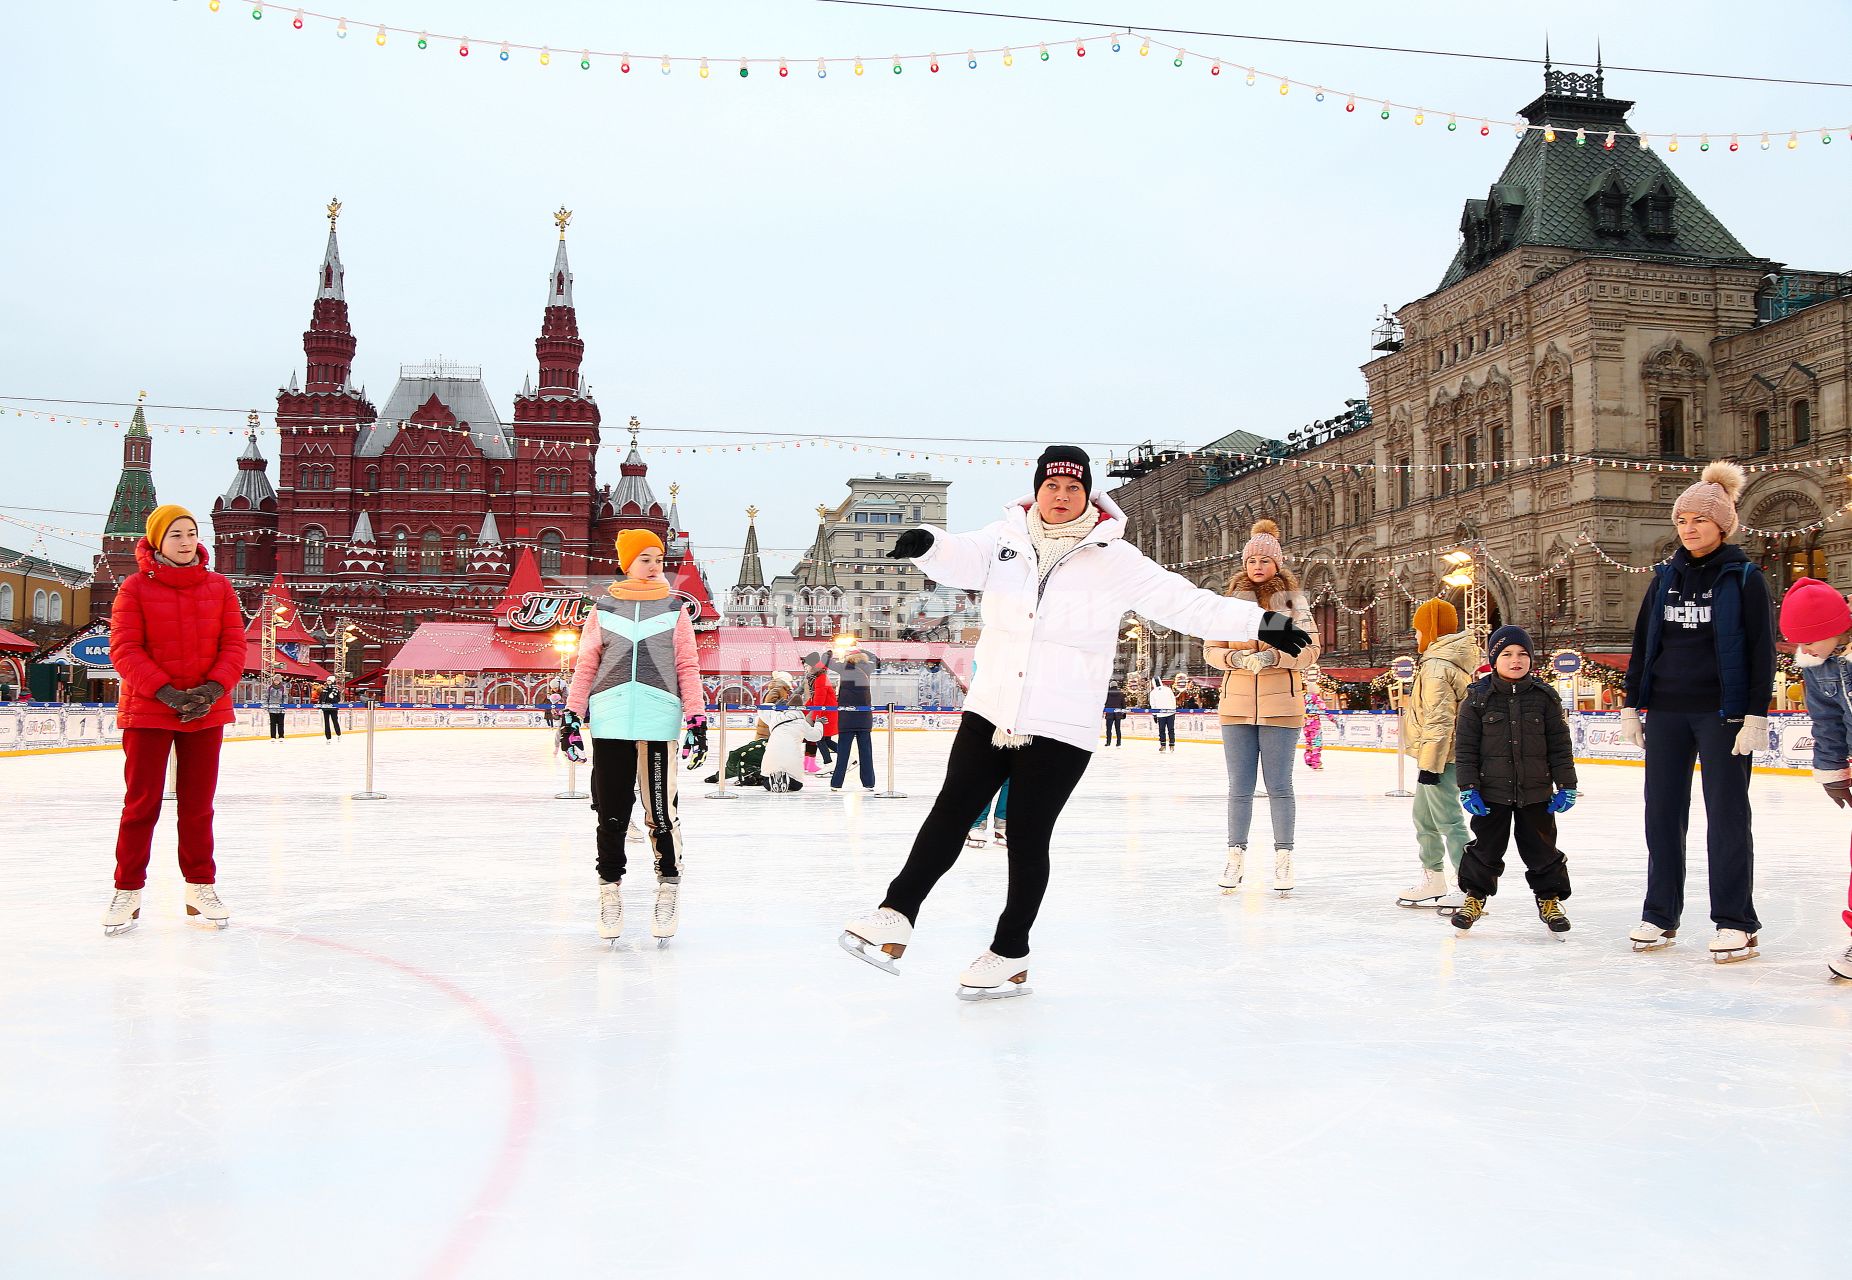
[
  {"x": 621, "y": 772},
  {"x": 331, "y": 722},
  {"x": 1041, "y": 775}
]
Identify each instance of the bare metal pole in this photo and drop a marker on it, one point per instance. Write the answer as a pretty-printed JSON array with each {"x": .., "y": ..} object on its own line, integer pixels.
[
  {"x": 890, "y": 793},
  {"x": 1401, "y": 791},
  {"x": 720, "y": 791},
  {"x": 367, "y": 793}
]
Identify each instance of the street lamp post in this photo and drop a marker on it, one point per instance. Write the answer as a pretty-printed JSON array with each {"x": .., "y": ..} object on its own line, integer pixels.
[
  {"x": 566, "y": 644},
  {"x": 1464, "y": 576}
]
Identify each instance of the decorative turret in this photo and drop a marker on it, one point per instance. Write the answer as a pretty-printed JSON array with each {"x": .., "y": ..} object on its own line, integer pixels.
[
  {"x": 559, "y": 346},
  {"x": 128, "y": 513},
  {"x": 364, "y": 559},
  {"x": 488, "y": 559},
  {"x": 244, "y": 517},
  {"x": 676, "y": 544},
  {"x": 749, "y": 603},
  {"x": 329, "y": 342}
]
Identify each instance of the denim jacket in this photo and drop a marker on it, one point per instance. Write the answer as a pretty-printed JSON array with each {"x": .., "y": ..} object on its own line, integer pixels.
[{"x": 1829, "y": 686}]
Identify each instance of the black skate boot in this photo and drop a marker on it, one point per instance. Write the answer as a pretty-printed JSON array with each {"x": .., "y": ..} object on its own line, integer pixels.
[
  {"x": 1550, "y": 911},
  {"x": 1467, "y": 916}
]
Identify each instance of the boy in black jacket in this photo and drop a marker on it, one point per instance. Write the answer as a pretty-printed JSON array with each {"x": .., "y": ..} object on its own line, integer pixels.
[{"x": 1516, "y": 768}]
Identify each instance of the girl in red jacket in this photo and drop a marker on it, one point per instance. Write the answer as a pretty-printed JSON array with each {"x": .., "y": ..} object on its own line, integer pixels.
[{"x": 176, "y": 638}]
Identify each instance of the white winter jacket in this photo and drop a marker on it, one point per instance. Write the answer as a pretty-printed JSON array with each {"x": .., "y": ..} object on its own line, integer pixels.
[
  {"x": 1044, "y": 657},
  {"x": 784, "y": 749}
]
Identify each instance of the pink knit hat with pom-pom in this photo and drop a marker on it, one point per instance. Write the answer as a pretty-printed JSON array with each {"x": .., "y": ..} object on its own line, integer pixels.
[
  {"x": 1714, "y": 496},
  {"x": 1264, "y": 538}
]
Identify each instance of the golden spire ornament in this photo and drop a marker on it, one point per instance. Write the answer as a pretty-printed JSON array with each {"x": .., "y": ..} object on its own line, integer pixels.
[
  {"x": 334, "y": 212},
  {"x": 752, "y": 514},
  {"x": 561, "y": 218}
]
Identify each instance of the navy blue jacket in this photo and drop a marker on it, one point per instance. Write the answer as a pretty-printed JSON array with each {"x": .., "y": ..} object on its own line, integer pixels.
[{"x": 1742, "y": 626}]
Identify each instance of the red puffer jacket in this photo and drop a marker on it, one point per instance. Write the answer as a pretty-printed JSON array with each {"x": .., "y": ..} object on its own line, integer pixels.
[
  {"x": 177, "y": 625},
  {"x": 823, "y": 694}
]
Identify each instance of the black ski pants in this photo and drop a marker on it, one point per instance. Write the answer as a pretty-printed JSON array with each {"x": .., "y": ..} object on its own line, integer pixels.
[
  {"x": 1041, "y": 775},
  {"x": 621, "y": 772},
  {"x": 1115, "y": 728},
  {"x": 331, "y": 722},
  {"x": 276, "y": 724},
  {"x": 1483, "y": 863},
  {"x": 1675, "y": 740}
]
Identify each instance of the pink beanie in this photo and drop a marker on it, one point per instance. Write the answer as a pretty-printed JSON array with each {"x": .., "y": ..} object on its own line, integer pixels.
[
  {"x": 1264, "y": 539},
  {"x": 1714, "y": 496}
]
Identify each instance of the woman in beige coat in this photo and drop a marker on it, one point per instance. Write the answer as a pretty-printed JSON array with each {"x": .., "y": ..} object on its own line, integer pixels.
[{"x": 1263, "y": 705}]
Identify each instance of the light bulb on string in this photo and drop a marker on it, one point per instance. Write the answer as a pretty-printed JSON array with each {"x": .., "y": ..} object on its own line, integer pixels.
[
  {"x": 1518, "y": 130},
  {"x": 1607, "y": 143},
  {"x": 1350, "y": 103},
  {"x": 1115, "y": 42},
  {"x": 822, "y": 70},
  {"x": 1144, "y": 50},
  {"x": 783, "y": 70},
  {"x": 897, "y": 64},
  {"x": 212, "y": 5},
  {"x": 296, "y": 21},
  {"x": 1549, "y": 134},
  {"x": 1581, "y": 137},
  {"x": 1178, "y": 60},
  {"x": 379, "y": 37},
  {"x": 971, "y": 59},
  {"x": 1285, "y": 88},
  {"x": 1384, "y": 113},
  {"x": 504, "y": 51},
  {"x": 1216, "y": 68},
  {"x": 1794, "y": 141},
  {"x": 1646, "y": 141},
  {"x": 704, "y": 68},
  {"x": 424, "y": 41},
  {"x": 1044, "y": 53},
  {"x": 1421, "y": 117},
  {"x": 1734, "y": 142},
  {"x": 1080, "y": 48},
  {"x": 340, "y": 30},
  {"x": 1765, "y": 142},
  {"x": 1009, "y": 59},
  {"x": 1318, "y": 94},
  {"x": 1250, "y": 78},
  {"x": 1672, "y": 144},
  {"x": 257, "y": 12},
  {"x": 1704, "y": 142},
  {"x": 1485, "y": 129},
  {"x": 585, "y": 59},
  {"x": 1453, "y": 125},
  {"x": 1826, "y": 137},
  {"x": 858, "y": 66},
  {"x": 463, "y": 48},
  {"x": 743, "y": 71}
]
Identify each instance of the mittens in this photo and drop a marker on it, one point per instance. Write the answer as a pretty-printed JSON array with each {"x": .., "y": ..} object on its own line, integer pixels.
[
  {"x": 1474, "y": 803},
  {"x": 911, "y": 544}
]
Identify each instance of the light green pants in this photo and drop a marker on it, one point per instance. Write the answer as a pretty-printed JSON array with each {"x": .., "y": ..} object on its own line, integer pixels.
[{"x": 1440, "y": 825}]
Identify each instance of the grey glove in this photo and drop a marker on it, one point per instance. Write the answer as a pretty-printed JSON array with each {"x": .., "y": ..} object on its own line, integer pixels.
[
  {"x": 175, "y": 698},
  {"x": 200, "y": 700}
]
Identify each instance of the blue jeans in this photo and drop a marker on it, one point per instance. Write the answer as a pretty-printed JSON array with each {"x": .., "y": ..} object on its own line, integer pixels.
[
  {"x": 1166, "y": 729},
  {"x": 1249, "y": 749},
  {"x": 863, "y": 742}
]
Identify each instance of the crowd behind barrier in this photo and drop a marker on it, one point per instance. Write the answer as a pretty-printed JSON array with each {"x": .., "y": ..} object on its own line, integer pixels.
[{"x": 27, "y": 727}]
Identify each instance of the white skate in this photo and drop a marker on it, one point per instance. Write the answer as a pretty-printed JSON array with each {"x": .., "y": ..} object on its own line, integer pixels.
[
  {"x": 886, "y": 930},
  {"x": 1232, "y": 873},
  {"x": 1841, "y": 965},
  {"x": 666, "y": 911},
  {"x": 610, "y": 910},
  {"x": 1282, "y": 870},
  {"x": 202, "y": 900},
  {"x": 994, "y": 977},
  {"x": 1000, "y": 837},
  {"x": 125, "y": 910},
  {"x": 974, "y": 839},
  {"x": 1731, "y": 945},
  {"x": 1427, "y": 893},
  {"x": 1453, "y": 900},
  {"x": 1650, "y": 937}
]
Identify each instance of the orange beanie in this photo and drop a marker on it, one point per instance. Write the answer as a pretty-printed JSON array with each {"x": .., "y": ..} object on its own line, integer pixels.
[
  {"x": 1434, "y": 619},
  {"x": 162, "y": 518},
  {"x": 631, "y": 541}
]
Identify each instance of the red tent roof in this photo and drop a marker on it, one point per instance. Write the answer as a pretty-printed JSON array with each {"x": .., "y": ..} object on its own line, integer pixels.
[
  {"x": 475, "y": 646},
  {"x": 289, "y": 626},
  {"x": 254, "y": 662},
  {"x": 15, "y": 643},
  {"x": 524, "y": 579}
]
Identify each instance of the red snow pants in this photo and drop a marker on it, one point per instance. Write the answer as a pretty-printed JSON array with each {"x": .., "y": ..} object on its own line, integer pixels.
[{"x": 144, "y": 768}]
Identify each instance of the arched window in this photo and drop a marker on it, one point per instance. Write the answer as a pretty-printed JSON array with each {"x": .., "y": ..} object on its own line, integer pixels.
[
  {"x": 551, "y": 547},
  {"x": 373, "y": 479},
  {"x": 312, "y": 550},
  {"x": 239, "y": 556},
  {"x": 401, "y": 477},
  {"x": 431, "y": 552},
  {"x": 495, "y": 480},
  {"x": 1803, "y": 422},
  {"x": 1763, "y": 438},
  {"x": 400, "y": 548},
  {"x": 6, "y": 602},
  {"x": 463, "y": 479},
  {"x": 38, "y": 606},
  {"x": 55, "y": 612},
  {"x": 462, "y": 552}
]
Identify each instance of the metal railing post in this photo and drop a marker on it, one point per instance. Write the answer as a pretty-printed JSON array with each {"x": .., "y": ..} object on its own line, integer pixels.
[
  {"x": 1401, "y": 791},
  {"x": 720, "y": 791},
  {"x": 367, "y": 792},
  {"x": 890, "y": 793}
]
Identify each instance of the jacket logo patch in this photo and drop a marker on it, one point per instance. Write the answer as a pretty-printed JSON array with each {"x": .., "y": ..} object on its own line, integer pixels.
[{"x": 1007, "y": 553}]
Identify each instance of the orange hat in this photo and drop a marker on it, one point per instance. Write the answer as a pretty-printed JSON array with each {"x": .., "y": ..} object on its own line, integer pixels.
[
  {"x": 630, "y": 542},
  {"x": 1433, "y": 619},
  {"x": 162, "y": 518}
]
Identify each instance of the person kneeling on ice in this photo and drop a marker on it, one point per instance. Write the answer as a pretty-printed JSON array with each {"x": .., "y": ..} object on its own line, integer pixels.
[
  {"x": 636, "y": 686},
  {"x": 1516, "y": 767},
  {"x": 1057, "y": 576},
  {"x": 1815, "y": 618},
  {"x": 786, "y": 730},
  {"x": 176, "y": 639}
]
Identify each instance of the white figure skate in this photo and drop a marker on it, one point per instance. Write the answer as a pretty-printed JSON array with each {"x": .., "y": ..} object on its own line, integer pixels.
[
  {"x": 667, "y": 912},
  {"x": 1650, "y": 937},
  {"x": 1232, "y": 873},
  {"x": 1282, "y": 871},
  {"x": 1841, "y": 965},
  {"x": 1730, "y": 945},
  {"x": 886, "y": 930},
  {"x": 1001, "y": 836},
  {"x": 610, "y": 910},
  {"x": 1428, "y": 892},
  {"x": 974, "y": 838},
  {"x": 995, "y": 977},
  {"x": 202, "y": 900},
  {"x": 124, "y": 911}
]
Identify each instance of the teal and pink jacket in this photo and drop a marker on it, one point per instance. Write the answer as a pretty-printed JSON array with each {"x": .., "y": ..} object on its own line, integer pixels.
[{"x": 638, "y": 677}]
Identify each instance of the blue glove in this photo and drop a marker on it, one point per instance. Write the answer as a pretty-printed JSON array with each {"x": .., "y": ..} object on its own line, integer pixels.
[
  {"x": 1474, "y": 803},
  {"x": 1563, "y": 801}
]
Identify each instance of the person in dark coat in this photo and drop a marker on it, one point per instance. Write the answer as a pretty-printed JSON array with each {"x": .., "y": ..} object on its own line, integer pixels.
[
  {"x": 1516, "y": 769},
  {"x": 854, "y": 727},
  {"x": 1115, "y": 714},
  {"x": 329, "y": 700}
]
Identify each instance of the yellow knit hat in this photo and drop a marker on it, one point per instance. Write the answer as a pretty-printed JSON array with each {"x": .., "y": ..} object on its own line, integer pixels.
[
  {"x": 630, "y": 542},
  {"x": 1434, "y": 619},
  {"x": 162, "y": 518}
]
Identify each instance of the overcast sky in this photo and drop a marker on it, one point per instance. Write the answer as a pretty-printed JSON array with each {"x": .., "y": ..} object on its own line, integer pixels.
[{"x": 1099, "y": 251}]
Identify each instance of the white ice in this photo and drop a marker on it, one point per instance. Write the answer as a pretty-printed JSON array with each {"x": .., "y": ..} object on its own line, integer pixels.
[{"x": 411, "y": 1056}]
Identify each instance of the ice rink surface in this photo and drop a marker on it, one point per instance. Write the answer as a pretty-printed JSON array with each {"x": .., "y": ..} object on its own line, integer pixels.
[{"x": 410, "y": 1055}]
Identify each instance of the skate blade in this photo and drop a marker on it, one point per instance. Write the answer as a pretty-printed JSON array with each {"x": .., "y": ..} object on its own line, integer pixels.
[
  {"x": 1660, "y": 945},
  {"x": 111, "y": 930},
  {"x": 1282, "y": 892},
  {"x": 1845, "y": 974},
  {"x": 1735, "y": 957},
  {"x": 1422, "y": 904},
  {"x": 663, "y": 940},
  {"x": 858, "y": 947},
  {"x": 1229, "y": 888},
  {"x": 1008, "y": 991}
]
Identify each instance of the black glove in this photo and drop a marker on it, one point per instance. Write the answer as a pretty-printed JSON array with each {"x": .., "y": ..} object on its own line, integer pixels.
[
  {"x": 912, "y": 543},
  {"x": 1278, "y": 631},
  {"x": 1841, "y": 793},
  {"x": 175, "y": 698},
  {"x": 1428, "y": 778}
]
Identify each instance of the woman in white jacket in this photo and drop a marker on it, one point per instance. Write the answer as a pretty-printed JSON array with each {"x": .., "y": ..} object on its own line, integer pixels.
[{"x": 1057, "y": 577}]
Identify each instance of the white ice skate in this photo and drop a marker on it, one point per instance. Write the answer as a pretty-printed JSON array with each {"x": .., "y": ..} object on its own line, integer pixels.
[
  {"x": 994, "y": 977},
  {"x": 610, "y": 910},
  {"x": 1428, "y": 892},
  {"x": 974, "y": 838},
  {"x": 1001, "y": 837},
  {"x": 1455, "y": 897},
  {"x": 1841, "y": 965},
  {"x": 1650, "y": 937},
  {"x": 886, "y": 930},
  {"x": 125, "y": 910},
  {"x": 202, "y": 900},
  {"x": 1731, "y": 945},
  {"x": 667, "y": 912},
  {"x": 1282, "y": 870},
  {"x": 1232, "y": 873}
]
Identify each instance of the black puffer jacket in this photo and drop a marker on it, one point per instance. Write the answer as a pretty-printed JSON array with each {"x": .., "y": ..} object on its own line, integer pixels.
[{"x": 1513, "y": 742}]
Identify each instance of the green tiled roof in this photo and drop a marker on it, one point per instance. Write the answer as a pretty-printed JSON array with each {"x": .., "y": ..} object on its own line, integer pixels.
[
  {"x": 1547, "y": 187},
  {"x": 134, "y": 500}
]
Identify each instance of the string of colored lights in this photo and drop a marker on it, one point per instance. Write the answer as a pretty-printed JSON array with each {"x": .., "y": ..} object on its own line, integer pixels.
[{"x": 1280, "y": 84}]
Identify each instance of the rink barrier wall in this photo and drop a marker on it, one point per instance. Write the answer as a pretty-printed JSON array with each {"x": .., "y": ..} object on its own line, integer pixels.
[{"x": 45, "y": 728}]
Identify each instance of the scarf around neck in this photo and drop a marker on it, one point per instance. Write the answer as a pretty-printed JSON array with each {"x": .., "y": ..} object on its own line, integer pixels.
[{"x": 1052, "y": 541}]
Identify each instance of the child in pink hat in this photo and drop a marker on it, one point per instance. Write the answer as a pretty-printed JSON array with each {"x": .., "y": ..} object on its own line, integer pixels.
[{"x": 1814, "y": 617}]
